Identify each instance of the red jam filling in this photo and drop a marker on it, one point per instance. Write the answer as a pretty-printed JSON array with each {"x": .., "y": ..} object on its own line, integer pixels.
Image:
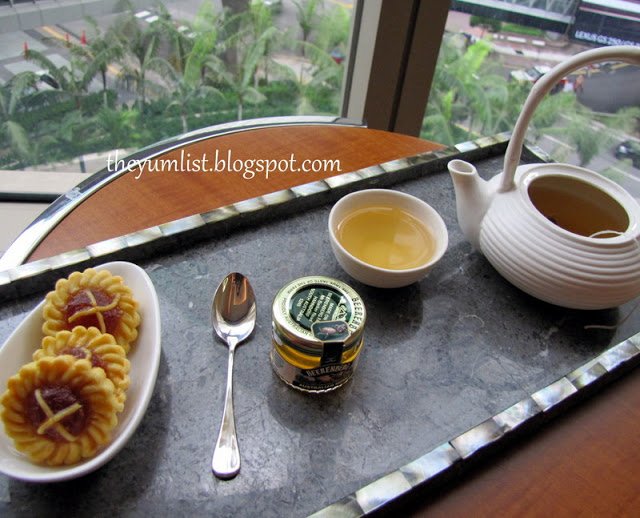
[
  {"x": 81, "y": 300},
  {"x": 57, "y": 398},
  {"x": 82, "y": 354}
]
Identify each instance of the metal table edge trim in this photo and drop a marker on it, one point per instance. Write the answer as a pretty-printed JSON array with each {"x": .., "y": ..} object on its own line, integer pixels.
[{"x": 441, "y": 459}]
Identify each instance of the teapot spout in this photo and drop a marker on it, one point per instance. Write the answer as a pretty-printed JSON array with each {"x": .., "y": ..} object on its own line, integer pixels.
[{"x": 473, "y": 197}]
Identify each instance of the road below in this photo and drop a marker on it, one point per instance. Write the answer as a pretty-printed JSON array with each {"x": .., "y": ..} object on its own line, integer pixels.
[{"x": 608, "y": 91}]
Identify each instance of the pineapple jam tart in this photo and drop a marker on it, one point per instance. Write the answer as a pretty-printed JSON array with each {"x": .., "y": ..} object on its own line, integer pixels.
[{"x": 93, "y": 299}]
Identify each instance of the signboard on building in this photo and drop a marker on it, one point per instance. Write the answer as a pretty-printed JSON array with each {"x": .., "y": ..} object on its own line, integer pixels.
[{"x": 607, "y": 22}]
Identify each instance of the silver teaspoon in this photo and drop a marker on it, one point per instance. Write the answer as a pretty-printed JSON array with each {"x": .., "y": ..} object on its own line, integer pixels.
[{"x": 233, "y": 315}]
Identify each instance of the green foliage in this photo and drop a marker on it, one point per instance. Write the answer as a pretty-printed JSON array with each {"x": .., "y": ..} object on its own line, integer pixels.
[
  {"x": 563, "y": 116},
  {"x": 206, "y": 41},
  {"x": 627, "y": 120},
  {"x": 119, "y": 128},
  {"x": 491, "y": 24},
  {"x": 73, "y": 80},
  {"x": 221, "y": 67},
  {"x": 13, "y": 95},
  {"x": 280, "y": 92},
  {"x": 333, "y": 29},
  {"x": 18, "y": 138},
  {"x": 468, "y": 97},
  {"x": 587, "y": 141},
  {"x": 217, "y": 68},
  {"x": 308, "y": 16},
  {"x": 322, "y": 100},
  {"x": 102, "y": 49},
  {"x": 521, "y": 29}
]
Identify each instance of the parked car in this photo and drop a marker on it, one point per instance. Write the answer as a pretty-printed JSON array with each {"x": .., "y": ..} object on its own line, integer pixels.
[
  {"x": 337, "y": 55},
  {"x": 530, "y": 75},
  {"x": 46, "y": 80},
  {"x": 42, "y": 82},
  {"x": 274, "y": 5},
  {"x": 629, "y": 149}
]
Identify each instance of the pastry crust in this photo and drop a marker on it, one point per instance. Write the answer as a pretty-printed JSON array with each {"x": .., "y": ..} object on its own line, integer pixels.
[
  {"x": 101, "y": 350},
  {"x": 60, "y": 410},
  {"x": 93, "y": 298}
]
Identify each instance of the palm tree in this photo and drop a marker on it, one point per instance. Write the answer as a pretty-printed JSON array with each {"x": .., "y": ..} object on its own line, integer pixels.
[
  {"x": 249, "y": 49},
  {"x": 235, "y": 6},
  {"x": 185, "y": 89},
  {"x": 41, "y": 150},
  {"x": 627, "y": 119},
  {"x": 437, "y": 124},
  {"x": 475, "y": 107},
  {"x": 11, "y": 96},
  {"x": 307, "y": 16},
  {"x": 260, "y": 20},
  {"x": 233, "y": 12},
  {"x": 466, "y": 98},
  {"x": 333, "y": 30},
  {"x": 140, "y": 43},
  {"x": 207, "y": 45},
  {"x": 506, "y": 100},
  {"x": 240, "y": 80},
  {"x": 562, "y": 115},
  {"x": 73, "y": 135},
  {"x": 177, "y": 39},
  {"x": 99, "y": 53},
  {"x": 325, "y": 79},
  {"x": 447, "y": 104}
]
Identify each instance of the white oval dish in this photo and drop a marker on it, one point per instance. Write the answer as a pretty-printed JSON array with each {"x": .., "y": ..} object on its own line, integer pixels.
[{"x": 145, "y": 360}]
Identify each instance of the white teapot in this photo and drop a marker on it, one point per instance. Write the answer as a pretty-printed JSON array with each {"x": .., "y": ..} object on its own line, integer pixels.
[{"x": 559, "y": 232}]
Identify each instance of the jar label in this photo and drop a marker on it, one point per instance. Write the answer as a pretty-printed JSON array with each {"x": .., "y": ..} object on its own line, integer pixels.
[
  {"x": 319, "y": 379},
  {"x": 316, "y": 303}
]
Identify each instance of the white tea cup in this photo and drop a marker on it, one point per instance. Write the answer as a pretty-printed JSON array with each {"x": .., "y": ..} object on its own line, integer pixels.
[{"x": 386, "y": 238}]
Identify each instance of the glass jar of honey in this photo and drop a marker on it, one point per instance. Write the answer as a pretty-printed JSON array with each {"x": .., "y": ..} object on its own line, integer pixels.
[{"x": 318, "y": 332}]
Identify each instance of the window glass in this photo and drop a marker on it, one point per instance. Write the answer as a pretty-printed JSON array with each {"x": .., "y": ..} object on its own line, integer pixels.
[
  {"x": 488, "y": 64},
  {"x": 74, "y": 90}
]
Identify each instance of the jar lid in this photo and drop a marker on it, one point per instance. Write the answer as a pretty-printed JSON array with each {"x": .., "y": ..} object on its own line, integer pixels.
[{"x": 308, "y": 313}]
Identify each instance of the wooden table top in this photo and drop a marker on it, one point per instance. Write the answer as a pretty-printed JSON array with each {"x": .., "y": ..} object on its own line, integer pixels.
[
  {"x": 586, "y": 462},
  {"x": 128, "y": 204}
]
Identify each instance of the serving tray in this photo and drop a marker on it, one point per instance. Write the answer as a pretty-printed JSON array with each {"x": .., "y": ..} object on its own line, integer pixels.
[{"x": 452, "y": 367}]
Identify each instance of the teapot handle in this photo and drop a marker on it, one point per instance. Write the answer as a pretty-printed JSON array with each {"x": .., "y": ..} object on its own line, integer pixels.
[{"x": 626, "y": 53}]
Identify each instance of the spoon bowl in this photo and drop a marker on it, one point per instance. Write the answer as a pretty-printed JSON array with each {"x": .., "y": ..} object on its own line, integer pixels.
[{"x": 233, "y": 316}]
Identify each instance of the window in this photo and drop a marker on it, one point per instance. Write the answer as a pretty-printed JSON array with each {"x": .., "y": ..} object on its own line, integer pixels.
[
  {"x": 77, "y": 88},
  {"x": 487, "y": 57},
  {"x": 448, "y": 71}
]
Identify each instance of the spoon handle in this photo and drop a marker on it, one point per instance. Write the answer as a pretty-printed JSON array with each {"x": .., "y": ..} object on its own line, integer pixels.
[{"x": 226, "y": 456}]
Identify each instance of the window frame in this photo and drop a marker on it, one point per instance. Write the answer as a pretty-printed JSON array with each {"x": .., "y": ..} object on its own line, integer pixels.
[{"x": 394, "y": 51}]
